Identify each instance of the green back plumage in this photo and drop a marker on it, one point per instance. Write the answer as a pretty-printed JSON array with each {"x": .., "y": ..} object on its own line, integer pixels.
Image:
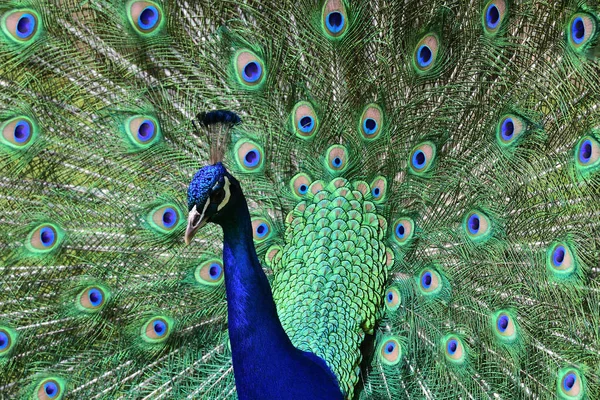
[{"x": 424, "y": 188}]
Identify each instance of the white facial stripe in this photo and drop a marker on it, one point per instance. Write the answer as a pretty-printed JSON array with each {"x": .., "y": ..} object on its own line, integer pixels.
[
  {"x": 205, "y": 208},
  {"x": 227, "y": 194}
]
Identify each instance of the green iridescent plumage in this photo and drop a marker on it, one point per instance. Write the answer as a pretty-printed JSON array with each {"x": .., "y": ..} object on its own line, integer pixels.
[{"x": 422, "y": 177}]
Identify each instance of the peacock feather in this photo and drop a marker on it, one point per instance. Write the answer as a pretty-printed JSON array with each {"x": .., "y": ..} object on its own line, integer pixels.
[{"x": 385, "y": 199}]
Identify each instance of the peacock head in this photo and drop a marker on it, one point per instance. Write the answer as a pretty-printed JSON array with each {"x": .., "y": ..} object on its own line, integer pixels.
[{"x": 211, "y": 193}]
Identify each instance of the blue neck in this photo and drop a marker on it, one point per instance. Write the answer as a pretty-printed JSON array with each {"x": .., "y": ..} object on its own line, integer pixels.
[{"x": 266, "y": 364}]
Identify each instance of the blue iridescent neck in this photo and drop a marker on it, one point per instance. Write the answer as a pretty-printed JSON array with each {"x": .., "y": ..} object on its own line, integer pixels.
[{"x": 266, "y": 364}]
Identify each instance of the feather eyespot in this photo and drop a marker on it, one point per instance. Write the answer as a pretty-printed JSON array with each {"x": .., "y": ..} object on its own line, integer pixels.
[
  {"x": 300, "y": 185},
  {"x": 379, "y": 189},
  {"x": 392, "y": 299},
  {"x": 334, "y": 19},
  {"x": 570, "y": 384},
  {"x": 19, "y": 132},
  {"x": 426, "y": 52},
  {"x": 454, "y": 349},
  {"x": 250, "y": 156},
  {"x": 403, "y": 230},
  {"x": 45, "y": 238},
  {"x": 50, "y": 389},
  {"x": 587, "y": 154},
  {"x": 337, "y": 159},
  {"x": 250, "y": 69},
  {"x": 143, "y": 131},
  {"x": 210, "y": 272},
  {"x": 304, "y": 120},
  {"x": 261, "y": 229},
  {"x": 92, "y": 298},
  {"x": 165, "y": 218},
  {"x": 8, "y": 340},
  {"x": 146, "y": 17},
  {"x": 504, "y": 326},
  {"x": 390, "y": 351},
  {"x": 157, "y": 329},
  {"x": 560, "y": 260},
  {"x": 493, "y": 16},
  {"x": 422, "y": 158},
  {"x": 582, "y": 31},
  {"x": 371, "y": 122},
  {"x": 430, "y": 282},
  {"x": 478, "y": 226},
  {"x": 509, "y": 129},
  {"x": 21, "y": 26}
]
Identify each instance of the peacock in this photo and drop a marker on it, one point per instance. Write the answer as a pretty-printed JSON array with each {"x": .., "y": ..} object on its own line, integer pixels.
[{"x": 300, "y": 199}]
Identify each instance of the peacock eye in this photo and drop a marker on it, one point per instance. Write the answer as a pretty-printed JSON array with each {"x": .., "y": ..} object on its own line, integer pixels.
[
  {"x": 50, "y": 389},
  {"x": 422, "y": 157},
  {"x": 571, "y": 384},
  {"x": 426, "y": 53},
  {"x": 334, "y": 19},
  {"x": 390, "y": 351},
  {"x": 209, "y": 272},
  {"x": 18, "y": 132},
  {"x": 92, "y": 299},
  {"x": 249, "y": 68},
  {"x": 509, "y": 129},
  {"x": 157, "y": 329},
  {"x": 21, "y": 26},
  {"x": 146, "y": 17},
  {"x": 582, "y": 31},
  {"x": 454, "y": 349},
  {"x": 493, "y": 16},
  {"x": 217, "y": 196},
  {"x": 8, "y": 339}
]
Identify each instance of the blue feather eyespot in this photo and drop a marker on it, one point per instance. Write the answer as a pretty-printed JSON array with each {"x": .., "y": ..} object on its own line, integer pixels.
[
  {"x": 334, "y": 19},
  {"x": 560, "y": 260},
  {"x": 571, "y": 384},
  {"x": 422, "y": 158},
  {"x": 454, "y": 349},
  {"x": 478, "y": 226},
  {"x": 93, "y": 298},
  {"x": 509, "y": 129},
  {"x": 493, "y": 16},
  {"x": 392, "y": 298},
  {"x": 582, "y": 31},
  {"x": 261, "y": 229},
  {"x": 250, "y": 156},
  {"x": 337, "y": 159},
  {"x": 164, "y": 219},
  {"x": 304, "y": 120},
  {"x": 210, "y": 272},
  {"x": 8, "y": 340},
  {"x": 390, "y": 351},
  {"x": 430, "y": 282},
  {"x": 45, "y": 238},
  {"x": 587, "y": 154},
  {"x": 50, "y": 389},
  {"x": 379, "y": 189},
  {"x": 426, "y": 52},
  {"x": 157, "y": 329},
  {"x": 371, "y": 122},
  {"x": 146, "y": 17},
  {"x": 142, "y": 131},
  {"x": 250, "y": 70},
  {"x": 403, "y": 230},
  {"x": 300, "y": 184},
  {"x": 21, "y": 26},
  {"x": 18, "y": 133},
  {"x": 504, "y": 326}
]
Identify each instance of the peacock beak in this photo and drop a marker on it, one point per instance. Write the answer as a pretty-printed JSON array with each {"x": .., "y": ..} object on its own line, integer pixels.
[{"x": 196, "y": 221}]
